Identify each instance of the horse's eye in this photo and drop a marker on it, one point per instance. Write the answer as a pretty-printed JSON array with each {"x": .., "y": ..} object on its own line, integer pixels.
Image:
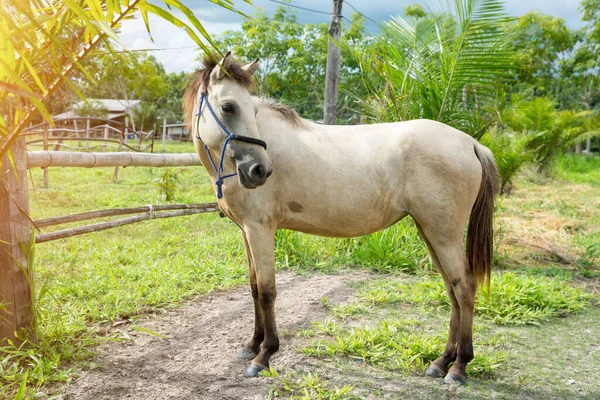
[{"x": 227, "y": 108}]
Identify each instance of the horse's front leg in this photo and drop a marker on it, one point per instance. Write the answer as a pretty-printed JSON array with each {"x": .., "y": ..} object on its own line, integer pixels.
[
  {"x": 252, "y": 348},
  {"x": 260, "y": 247}
]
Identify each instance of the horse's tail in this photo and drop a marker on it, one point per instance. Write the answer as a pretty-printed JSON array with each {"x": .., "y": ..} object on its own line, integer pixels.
[{"x": 480, "y": 234}]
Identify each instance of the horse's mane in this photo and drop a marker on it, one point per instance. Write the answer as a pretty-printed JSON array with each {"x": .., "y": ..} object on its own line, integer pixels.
[
  {"x": 200, "y": 78},
  {"x": 286, "y": 111}
]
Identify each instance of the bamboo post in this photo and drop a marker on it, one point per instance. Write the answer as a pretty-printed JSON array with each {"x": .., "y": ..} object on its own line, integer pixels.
[
  {"x": 59, "y": 139},
  {"x": 164, "y": 135},
  {"x": 87, "y": 134},
  {"x": 152, "y": 144},
  {"x": 126, "y": 130},
  {"x": 45, "y": 138},
  {"x": 105, "y": 135},
  {"x": 140, "y": 134},
  {"x": 116, "y": 174},
  {"x": 15, "y": 230},
  {"x": 77, "y": 132}
]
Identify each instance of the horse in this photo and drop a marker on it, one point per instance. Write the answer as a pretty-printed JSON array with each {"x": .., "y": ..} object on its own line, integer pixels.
[{"x": 342, "y": 181}]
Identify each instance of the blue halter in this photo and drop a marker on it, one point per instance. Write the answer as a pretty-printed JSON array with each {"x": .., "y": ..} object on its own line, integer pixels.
[{"x": 230, "y": 136}]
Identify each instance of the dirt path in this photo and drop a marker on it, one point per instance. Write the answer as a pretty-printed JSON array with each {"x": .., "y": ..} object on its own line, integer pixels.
[{"x": 197, "y": 357}]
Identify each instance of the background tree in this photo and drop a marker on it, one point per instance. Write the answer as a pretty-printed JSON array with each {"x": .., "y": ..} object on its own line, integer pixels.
[
  {"x": 414, "y": 10},
  {"x": 126, "y": 76},
  {"x": 170, "y": 106},
  {"x": 540, "y": 42},
  {"x": 293, "y": 59}
]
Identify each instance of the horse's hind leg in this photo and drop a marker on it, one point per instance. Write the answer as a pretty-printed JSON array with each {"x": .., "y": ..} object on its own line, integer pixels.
[
  {"x": 261, "y": 246},
  {"x": 252, "y": 348},
  {"x": 447, "y": 245},
  {"x": 439, "y": 367}
]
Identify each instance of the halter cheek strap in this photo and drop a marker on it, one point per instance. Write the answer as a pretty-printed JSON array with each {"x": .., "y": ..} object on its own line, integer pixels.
[{"x": 230, "y": 136}]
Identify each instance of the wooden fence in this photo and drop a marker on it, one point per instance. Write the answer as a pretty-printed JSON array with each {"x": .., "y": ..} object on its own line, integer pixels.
[{"x": 16, "y": 227}]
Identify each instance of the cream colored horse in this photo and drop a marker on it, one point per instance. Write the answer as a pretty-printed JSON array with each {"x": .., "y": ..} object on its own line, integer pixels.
[{"x": 344, "y": 181}]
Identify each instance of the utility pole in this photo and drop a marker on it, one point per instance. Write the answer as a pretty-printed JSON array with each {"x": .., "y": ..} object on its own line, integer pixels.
[{"x": 333, "y": 64}]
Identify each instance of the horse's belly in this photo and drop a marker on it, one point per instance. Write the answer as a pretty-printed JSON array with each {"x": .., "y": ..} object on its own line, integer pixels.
[{"x": 334, "y": 225}]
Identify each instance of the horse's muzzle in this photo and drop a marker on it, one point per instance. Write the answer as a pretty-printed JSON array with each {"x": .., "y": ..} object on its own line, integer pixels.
[{"x": 254, "y": 175}]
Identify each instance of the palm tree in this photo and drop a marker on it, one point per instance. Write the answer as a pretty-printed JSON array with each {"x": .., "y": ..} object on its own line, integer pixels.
[
  {"x": 444, "y": 66},
  {"x": 42, "y": 42}
]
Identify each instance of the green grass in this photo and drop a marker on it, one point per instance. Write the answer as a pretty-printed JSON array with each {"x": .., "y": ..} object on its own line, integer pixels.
[
  {"x": 514, "y": 299},
  {"x": 408, "y": 345},
  {"x": 404, "y": 345},
  {"x": 576, "y": 168},
  {"x": 393, "y": 250},
  {"x": 304, "y": 386}
]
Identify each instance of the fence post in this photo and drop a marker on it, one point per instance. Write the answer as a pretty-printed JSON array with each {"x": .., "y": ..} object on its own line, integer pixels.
[
  {"x": 15, "y": 230},
  {"x": 164, "y": 134},
  {"x": 45, "y": 139},
  {"x": 121, "y": 139},
  {"x": 126, "y": 130},
  {"x": 105, "y": 135},
  {"x": 87, "y": 134}
]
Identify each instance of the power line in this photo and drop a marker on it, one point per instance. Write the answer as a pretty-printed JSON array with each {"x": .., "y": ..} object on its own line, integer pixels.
[
  {"x": 301, "y": 8},
  {"x": 146, "y": 50},
  {"x": 360, "y": 13},
  {"x": 352, "y": 23}
]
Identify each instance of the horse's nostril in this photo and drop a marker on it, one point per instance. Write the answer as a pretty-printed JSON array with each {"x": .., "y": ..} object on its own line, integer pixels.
[{"x": 257, "y": 172}]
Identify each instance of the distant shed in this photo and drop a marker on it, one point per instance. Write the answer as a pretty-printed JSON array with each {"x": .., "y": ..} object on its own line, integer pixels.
[{"x": 117, "y": 109}]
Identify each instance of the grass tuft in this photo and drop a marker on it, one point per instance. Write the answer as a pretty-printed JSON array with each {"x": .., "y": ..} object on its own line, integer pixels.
[
  {"x": 396, "y": 345},
  {"x": 300, "y": 386},
  {"x": 515, "y": 299}
]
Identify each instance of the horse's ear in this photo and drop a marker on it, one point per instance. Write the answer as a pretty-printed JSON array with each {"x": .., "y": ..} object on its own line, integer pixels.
[
  {"x": 218, "y": 72},
  {"x": 252, "y": 67}
]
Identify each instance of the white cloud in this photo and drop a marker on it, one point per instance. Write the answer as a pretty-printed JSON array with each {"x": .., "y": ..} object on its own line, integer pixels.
[{"x": 183, "y": 50}]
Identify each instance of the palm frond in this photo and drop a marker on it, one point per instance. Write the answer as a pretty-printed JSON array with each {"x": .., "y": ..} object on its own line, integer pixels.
[
  {"x": 42, "y": 42},
  {"x": 447, "y": 64}
]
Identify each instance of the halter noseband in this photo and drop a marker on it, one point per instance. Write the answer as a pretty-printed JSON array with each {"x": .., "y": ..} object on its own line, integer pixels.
[{"x": 230, "y": 136}]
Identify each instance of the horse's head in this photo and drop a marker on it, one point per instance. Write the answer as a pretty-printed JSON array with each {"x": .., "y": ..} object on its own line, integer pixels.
[{"x": 227, "y": 121}]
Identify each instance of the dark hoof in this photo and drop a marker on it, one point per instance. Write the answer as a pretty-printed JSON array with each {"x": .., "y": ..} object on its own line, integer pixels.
[
  {"x": 253, "y": 370},
  {"x": 453, "y": 379},
  {"x": 434, "y": 371},
  {"x": 245, "y": 354}
]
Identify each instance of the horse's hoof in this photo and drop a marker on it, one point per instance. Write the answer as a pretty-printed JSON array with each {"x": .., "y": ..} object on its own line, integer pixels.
[
  {"x": 253, "y": 370},
  {"x": 245, "y": 354},
  {"x": 434, "y": 371},
  {"x": 453, "y": 379}
]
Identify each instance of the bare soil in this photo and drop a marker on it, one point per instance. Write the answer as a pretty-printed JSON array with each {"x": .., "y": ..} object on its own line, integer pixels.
[{"x": 197, "y": 358}]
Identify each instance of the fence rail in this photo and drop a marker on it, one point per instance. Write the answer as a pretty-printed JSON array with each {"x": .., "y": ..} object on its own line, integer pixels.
[
  {"x": 15, "y": 225},
  {"x": 80, "y": 230},
  {"x": 44, "y": 159}
]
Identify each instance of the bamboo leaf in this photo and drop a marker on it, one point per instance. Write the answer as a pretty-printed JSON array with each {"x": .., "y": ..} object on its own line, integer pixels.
[{"x": 9, "y": 87}]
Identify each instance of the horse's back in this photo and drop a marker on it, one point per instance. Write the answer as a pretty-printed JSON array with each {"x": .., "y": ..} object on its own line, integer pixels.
[{"x": 353, "y": 180}]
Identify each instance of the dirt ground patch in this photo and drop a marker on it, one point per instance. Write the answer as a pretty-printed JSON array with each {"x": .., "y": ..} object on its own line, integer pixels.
[{"x": 196, "y": 359}]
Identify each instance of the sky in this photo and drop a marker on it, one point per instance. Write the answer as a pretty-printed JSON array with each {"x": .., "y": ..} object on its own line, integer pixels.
[{"x": 182, "y": 52}]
